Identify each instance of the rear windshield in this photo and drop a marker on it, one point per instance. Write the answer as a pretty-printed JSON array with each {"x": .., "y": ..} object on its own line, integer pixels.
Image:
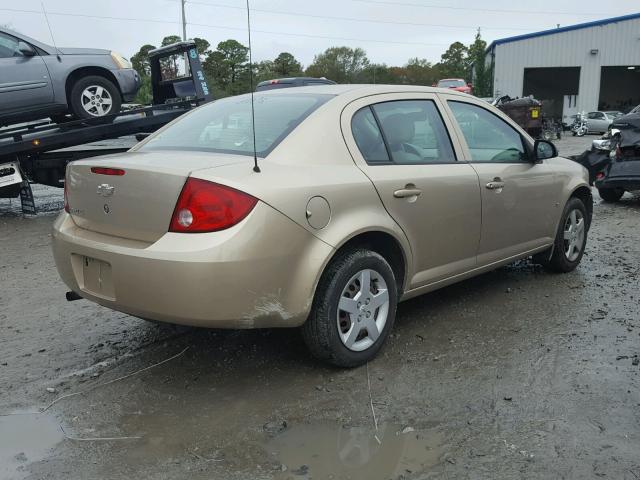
[
  {"x": 451, "y": 83},
  {"x": 224, "y": 126}
]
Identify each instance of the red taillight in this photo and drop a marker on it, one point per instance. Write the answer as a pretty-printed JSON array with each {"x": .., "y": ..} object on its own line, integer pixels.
[
  {"x": 107, "y": 171},
  {"x": 599, "y": 175},
  {"x": 618, "y": 152},
  {"x": 208, "y": 207}
]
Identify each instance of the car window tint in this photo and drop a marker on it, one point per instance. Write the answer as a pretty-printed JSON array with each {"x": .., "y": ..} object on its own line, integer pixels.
[
  {"x": 489, "y": 138},
  {"x": 368, "y": 137},
  {"x": 225, "y": 126},
  {"x": 8, "y": 46},
  {"x": 414, "y": 132}
]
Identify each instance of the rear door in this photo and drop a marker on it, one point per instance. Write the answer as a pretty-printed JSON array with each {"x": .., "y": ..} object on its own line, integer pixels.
[
  {"x": 401, "y": 142},
  {"x": 520, "y": 197},
  {"x": 24, "y": 81}
]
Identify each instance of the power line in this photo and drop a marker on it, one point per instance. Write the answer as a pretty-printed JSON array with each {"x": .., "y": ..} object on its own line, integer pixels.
[
  {"x": 304, "y": 35},
  {"x": 490, "y": 10},
  {"x": 224, "y": 27},
  {"x": 354, "y": 19}
]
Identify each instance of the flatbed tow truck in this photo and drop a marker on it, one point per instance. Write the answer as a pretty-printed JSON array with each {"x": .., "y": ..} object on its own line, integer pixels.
[{"x": 39, "y": 152}]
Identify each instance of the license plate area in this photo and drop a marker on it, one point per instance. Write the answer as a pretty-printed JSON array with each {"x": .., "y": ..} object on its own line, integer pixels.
[{"x": 96, "y": 277}]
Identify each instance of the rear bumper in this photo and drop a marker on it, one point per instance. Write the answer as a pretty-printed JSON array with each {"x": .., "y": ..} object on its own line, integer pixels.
[
  {"x": 626, "y": 183},
  {"x": 128, "y": 81},
  {"x": 259, "y": 273}
]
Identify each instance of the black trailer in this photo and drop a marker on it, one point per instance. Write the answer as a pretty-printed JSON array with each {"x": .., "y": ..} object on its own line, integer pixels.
[{"x": 39, "y": 152}]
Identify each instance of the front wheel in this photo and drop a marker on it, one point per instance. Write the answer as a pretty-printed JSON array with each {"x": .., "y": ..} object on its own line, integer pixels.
[
  {"x": 610, "y": 194},
  {"x": 353, "y": 310},
  {"x": 94, "y": 97},
  {"x": 570, "y": 240}
]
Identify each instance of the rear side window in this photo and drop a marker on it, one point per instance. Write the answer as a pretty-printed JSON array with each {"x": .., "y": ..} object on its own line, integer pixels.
[
  {"x": 489, "y": 138},
  {"x": 225, "y": 126},
  {"x": 368, "y": 137},
  {"x": 414, "y": 132}
]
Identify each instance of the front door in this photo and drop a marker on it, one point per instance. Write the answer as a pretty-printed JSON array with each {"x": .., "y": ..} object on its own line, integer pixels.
[
  {"x": 401, "y": 143},
  {"x": 519, "y": 196},
  {"x": 24, "y": 80}
]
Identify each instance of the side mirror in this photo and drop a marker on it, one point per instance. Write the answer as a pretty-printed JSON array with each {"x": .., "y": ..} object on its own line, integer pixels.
[
  {"x": 26, "y": 49},
  {"x": 544, "y": 149}
]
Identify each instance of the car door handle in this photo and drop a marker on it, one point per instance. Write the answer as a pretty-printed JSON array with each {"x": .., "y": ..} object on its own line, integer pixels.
[
  {"x": 496, "y": 184},
  {"x": 407, "y": 191}
]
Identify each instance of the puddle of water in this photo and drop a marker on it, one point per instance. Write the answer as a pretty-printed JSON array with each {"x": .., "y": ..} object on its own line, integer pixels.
[
  {"x": 25, "y": 439},
  {"x": 331, "y": 451}
]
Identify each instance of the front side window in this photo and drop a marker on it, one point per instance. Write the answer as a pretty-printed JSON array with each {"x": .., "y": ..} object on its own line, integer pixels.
[
  {"x": 225, "y": 126},
  {"x": 8, "y": 46},
  {"x": 404, "y": 131},
  {"x": 489, "y": 138}
]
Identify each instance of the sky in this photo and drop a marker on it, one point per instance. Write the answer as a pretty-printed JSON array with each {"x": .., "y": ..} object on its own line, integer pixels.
[{"x": 390, "y": 31}]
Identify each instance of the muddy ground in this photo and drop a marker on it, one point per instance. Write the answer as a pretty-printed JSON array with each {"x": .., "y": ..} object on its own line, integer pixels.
[{"x": 514, "y": 374}]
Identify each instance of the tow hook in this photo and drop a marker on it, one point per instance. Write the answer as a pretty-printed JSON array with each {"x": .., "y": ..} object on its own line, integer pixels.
[{"x": 71, "y": 296}]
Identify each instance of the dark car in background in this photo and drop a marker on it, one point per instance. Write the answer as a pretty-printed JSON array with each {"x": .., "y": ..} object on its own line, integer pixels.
[
  {"x": 292, "y": 82},
  {"x": 38, "y": 80}
]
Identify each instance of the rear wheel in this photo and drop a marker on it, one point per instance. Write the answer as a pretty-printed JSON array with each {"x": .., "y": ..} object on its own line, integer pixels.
[
  {"x": 94, "y": 97},
  {"x": 354, "y": 309},
  {"x": 610, "y": 194},
  {"x": 570, "y": 240}
]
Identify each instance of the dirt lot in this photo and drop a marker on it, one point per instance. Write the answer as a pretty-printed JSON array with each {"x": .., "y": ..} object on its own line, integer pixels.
[{"x": 514, "y": 374}]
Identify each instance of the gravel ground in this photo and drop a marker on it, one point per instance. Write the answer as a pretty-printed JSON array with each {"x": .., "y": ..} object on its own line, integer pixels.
[{"x": 513, "y": 374}]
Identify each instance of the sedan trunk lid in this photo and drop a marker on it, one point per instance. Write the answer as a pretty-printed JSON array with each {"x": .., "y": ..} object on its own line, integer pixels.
[{"x": 136, "y": 196}]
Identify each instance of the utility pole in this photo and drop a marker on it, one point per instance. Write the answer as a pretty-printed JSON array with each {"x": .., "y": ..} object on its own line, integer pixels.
[
  {"x": 184, "y": 22},
  {"x": 184, "y": 37}
]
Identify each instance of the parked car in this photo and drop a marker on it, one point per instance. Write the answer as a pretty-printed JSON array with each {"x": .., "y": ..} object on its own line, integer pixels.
[
  {"x": 38, "y": 80},
  {"x": 599, "y": 122},
  {"x": 292, "y": 82},
  {"x": 457, "y": 84},
  {"x": 366, "y": 196}
]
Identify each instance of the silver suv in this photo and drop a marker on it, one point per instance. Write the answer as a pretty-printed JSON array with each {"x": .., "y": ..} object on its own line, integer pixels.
[{"x": 38, "y": 80}]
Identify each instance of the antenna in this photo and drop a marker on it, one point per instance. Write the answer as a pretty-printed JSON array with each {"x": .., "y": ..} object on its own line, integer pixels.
[
  {"x": 46, "y": 17},
  {"x": 256, "y": 168}
]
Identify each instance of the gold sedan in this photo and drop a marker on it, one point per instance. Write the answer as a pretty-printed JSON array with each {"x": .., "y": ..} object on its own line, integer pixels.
[{"x": 365, "y": 196}]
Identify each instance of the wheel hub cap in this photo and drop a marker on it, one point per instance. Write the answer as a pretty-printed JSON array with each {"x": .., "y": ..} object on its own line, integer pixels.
[
  {"x": 574, "y": 231},
  {"x": 362, "y": 310}
]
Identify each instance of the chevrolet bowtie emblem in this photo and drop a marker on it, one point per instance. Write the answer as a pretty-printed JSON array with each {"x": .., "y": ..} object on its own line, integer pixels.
[{"x": 105, "y": 190}]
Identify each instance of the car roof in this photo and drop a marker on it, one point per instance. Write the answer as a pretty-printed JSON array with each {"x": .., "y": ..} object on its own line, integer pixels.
[{"x": 362, "y": 90}]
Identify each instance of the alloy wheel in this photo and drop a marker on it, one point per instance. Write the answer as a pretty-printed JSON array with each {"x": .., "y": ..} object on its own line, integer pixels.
[
  {"x": 574, "y": 230},
  {"x": 363, "y": 310},
  {"x": 96, "y": 100}
]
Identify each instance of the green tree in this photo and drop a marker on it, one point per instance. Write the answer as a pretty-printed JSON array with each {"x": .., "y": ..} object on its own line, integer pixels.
[
  {"x": 203, "y": 46},
  {"x": 286, "y": 65},
  {"x": 481, "y": 76},
  {"x": 340, "y": 64},
  {"x": 453, "y": 62},
  {"x": 169, "y": 66},
  {"x": 227, "y": 67},
  {"x": 140, "y": 60}
]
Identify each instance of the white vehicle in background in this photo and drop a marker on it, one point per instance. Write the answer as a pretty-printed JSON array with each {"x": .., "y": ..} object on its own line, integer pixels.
[{"x": 599, "y": 122}]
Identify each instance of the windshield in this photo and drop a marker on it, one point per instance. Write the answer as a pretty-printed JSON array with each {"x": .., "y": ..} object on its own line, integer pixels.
[
  {"x": 224, "y": 126},
  {"x": 451, "y": 83}
]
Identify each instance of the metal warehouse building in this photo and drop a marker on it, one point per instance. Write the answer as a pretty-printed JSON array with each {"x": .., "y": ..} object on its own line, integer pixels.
[{"x": 584, "y": 67}]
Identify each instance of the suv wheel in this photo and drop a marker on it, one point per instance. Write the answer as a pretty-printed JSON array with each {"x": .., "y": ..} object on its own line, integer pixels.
[
  {"x": 353, "y": 310},
  {"x": 570, "y": 241},
  {"x": 94, "y": 97}
]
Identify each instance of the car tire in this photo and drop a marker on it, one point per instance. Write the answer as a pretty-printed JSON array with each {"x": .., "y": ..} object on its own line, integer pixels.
[
  {"x": 560, "y": 258},
  {"x": 342, "y": 337},
  {"x": 611, "y": 194},
  {"x": 92, "y": 85}
]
